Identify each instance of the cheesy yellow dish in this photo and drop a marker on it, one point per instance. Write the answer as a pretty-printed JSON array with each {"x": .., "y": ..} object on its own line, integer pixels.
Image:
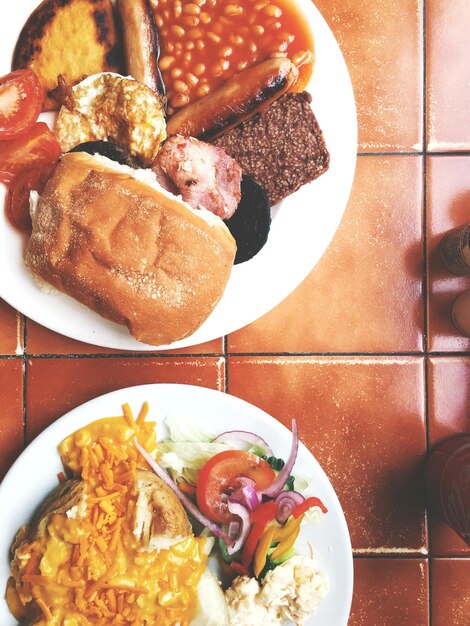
[{"x": 112, "y": 545}]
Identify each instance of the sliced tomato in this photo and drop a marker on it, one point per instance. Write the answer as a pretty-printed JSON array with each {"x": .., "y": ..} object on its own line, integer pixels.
[
  {"x": 36, "y": 146},
  {"x": 21, "y": 98},
  {"x": 34, "y": 177},
  {"x": 219, "y": 476}
]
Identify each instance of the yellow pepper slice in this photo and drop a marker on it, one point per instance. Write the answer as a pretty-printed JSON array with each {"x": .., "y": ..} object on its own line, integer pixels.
[
  {"x": 287, "y": 537},
  {"x": 262, "y": 549}
]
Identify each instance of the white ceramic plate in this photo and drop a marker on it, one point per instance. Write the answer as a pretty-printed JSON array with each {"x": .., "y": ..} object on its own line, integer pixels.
[
  {"x": 302, "y": 227},
  {"x": 34, "y": 475}
]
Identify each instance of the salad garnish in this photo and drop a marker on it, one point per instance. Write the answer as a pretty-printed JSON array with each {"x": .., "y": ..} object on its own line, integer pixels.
[{"x": 234, "y": 486}]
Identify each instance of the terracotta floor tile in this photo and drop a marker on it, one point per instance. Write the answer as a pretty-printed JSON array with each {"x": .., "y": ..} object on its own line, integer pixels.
[
  {"x": 388, "y": 592},
  {"x": 449, "y": 414},
  {"x": 363, "y": 419},
  {"x": 41, "y": 340},
  {"x": 450, "y": 592},
  {"x": 55, "y": 386},
  {"x": 365, "y": 293},
  {"x": 382, "y": 45},
  {"x": 448, "y": 206},
  {"x": 448, "y": 78},
  {"x": 11, "y": 330},
  {"x": 11, "y": 415}
]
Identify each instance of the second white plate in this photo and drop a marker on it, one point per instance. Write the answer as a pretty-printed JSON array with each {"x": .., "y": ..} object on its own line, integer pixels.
[{"x": 34, "y": 475}]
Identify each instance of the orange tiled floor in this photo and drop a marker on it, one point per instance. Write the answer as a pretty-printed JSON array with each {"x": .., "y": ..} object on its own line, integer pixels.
[{"x": 363, "y": 352}]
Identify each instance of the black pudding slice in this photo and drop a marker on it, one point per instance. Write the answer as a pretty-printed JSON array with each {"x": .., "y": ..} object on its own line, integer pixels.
[
  {"x": 251, "y": 221},
  {"x": 110, "y": 150}
]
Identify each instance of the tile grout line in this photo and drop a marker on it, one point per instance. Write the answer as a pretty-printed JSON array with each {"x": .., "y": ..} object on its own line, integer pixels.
[
  {"x": 24, "y": 359},
  {"x": 188, "y": 355},
  {"x": 426, "y": 289}
]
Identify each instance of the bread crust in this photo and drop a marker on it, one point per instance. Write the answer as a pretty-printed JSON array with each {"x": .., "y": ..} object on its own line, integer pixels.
[{"x": 128, "y": 251}]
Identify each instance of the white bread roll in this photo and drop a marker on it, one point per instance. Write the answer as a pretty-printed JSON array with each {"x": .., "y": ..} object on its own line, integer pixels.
[{"x": 128, "y": 250}]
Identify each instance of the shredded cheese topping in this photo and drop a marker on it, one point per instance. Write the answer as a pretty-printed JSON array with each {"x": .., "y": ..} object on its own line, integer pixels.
[{"x": 88, "y": 566}]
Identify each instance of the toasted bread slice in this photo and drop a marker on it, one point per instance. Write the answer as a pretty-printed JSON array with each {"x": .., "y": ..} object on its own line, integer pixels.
[{"x": 74, "y": 38}]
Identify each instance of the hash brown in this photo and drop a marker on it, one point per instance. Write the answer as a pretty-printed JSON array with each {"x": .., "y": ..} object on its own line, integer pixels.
[{"x": 74, "y": 38}]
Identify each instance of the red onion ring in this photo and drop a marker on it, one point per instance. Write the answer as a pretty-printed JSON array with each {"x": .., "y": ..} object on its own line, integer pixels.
[
  {"x": 286, "y": 502},
  {"x": 244, "y": 435},
  {"x": 244, "y": 526},
  {"x": 278, "y": 484},
  {"x": 185, "y": 501},
  {"x": 246, "y": 494}
]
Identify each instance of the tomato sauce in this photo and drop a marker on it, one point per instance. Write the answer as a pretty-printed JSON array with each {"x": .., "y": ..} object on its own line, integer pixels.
[{"x": 205, "y": 42}]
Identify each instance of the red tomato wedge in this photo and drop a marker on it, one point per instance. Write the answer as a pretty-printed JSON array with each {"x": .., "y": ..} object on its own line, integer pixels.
[
  {"x": 21, "y": 98},
  {"x": 219, "y": 476},
  {"x": 34, "y": 177},
  {"x": 36, "y": 146}
]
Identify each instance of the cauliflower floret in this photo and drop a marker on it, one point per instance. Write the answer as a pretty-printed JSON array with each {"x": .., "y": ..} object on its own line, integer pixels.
[{"x": 290, "y": 592}]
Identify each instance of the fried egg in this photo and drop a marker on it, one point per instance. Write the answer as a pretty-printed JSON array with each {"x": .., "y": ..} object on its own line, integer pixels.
[{"x": 112, "y": 107}]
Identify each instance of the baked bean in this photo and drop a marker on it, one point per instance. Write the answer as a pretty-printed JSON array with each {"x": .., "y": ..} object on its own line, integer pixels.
[
  {"x": 272, "y": 11},
  {"x": 204, "y": 42},
  {"x": 299, "y": 58},
  {"x": 180, "y": 100},
  {"x": 180, "y": 86},
  {"x": 226, "y": 52},
  {"x": 178, "y": 8},
  {"x": 191, "y": 9},
  {"x": 199, "y": 69},
  {"x": 190, "y": 20},
  {"x": 220, "y": 67},
  {"x": 203, "y": 90},
  {"x": 279, "y": 55},
  {"x": 195, "y": 33},
  {"x": 233, "y": 9},
  {"x": 236, "y": 40},
  {"x": 213, "y": 37},
  {"x": 177, "y": 30},
  {"x": 205, "y": 18},
  {"x": 166, "y": 62},
  {"x": 192, "y": 79}
]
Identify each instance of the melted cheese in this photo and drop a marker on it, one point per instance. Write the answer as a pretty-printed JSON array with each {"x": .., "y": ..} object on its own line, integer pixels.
[{"x": 89, "y": 566}]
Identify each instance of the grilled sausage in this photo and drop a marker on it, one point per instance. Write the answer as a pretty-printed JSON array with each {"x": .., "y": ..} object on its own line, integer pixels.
[
  {"x": 240, "y": 97},
  {"x": 141, "y": 43}
]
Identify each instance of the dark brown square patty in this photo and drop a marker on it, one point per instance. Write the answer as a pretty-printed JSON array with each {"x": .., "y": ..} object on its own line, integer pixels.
[{"x": 282, "y": 148}]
